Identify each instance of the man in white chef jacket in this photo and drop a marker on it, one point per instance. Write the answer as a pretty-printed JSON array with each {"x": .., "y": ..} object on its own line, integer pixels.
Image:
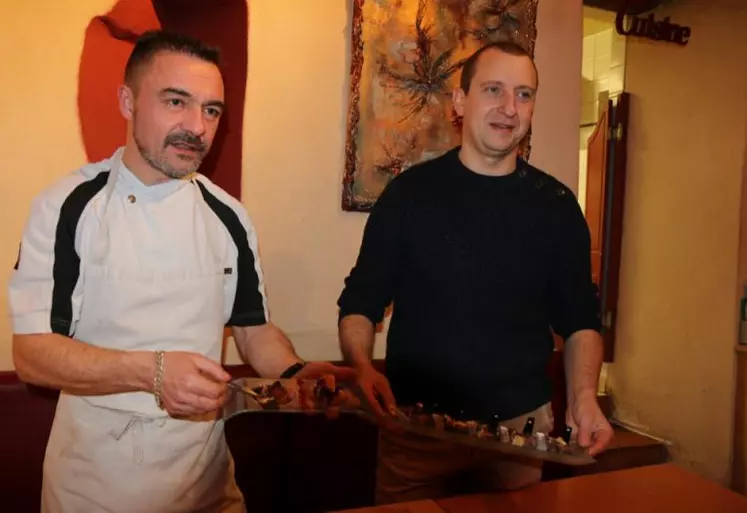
[{"x": 128, "y": 271}]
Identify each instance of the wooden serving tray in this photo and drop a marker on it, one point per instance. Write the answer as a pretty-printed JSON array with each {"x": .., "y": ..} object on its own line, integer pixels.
[{"x": 249, "y": 399}]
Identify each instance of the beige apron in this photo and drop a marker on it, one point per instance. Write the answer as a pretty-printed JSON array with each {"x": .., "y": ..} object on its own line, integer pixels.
[{"x": 146, "y": 286}]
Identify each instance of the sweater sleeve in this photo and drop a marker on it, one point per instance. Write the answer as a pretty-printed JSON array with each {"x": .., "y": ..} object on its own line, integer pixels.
[
  {"x": 369, "y": 288},
  {"x": 574, "y": 300}
]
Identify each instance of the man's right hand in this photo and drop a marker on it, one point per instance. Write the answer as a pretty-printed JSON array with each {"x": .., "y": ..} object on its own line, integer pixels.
[
  {"x": 375, "y": 388},
  {"x": 192, "y": 384}
]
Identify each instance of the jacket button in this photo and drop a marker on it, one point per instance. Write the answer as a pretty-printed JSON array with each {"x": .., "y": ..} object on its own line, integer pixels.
[{"x": 131, "y": 198}]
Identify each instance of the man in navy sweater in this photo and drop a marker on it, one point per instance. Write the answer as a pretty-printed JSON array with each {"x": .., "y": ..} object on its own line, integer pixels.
[{"x": 483, "y": 257}]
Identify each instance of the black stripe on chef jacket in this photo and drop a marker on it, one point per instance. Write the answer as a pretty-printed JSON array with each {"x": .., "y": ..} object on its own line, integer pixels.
[
  {"x": 66, "y": 270},
  {"x": 248, "y": 305}
]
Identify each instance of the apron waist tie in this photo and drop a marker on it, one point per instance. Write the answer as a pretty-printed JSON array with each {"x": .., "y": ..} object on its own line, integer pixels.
[{"x": 135, "y": 426}]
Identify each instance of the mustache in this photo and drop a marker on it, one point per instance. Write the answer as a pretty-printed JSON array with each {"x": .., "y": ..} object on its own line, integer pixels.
[{"x": 187, "y": 139}]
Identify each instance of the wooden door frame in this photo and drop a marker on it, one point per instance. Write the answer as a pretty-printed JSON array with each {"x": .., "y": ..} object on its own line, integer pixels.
[
  {"x": 614, "y": 208},
  {"x": 605, "y": 194}
]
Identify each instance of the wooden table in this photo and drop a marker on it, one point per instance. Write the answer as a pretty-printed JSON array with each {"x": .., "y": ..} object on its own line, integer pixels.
[{"x": 651, "y": 489}]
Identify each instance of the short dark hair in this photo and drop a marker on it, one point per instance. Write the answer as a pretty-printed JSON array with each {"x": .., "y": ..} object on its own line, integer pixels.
[
  {"x": 154, "y": 41},
  {"x": 469, "y": 68}
]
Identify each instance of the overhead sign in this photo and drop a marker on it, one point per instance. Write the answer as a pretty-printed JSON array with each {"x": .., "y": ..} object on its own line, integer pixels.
[{"x": 649, "y": 28}]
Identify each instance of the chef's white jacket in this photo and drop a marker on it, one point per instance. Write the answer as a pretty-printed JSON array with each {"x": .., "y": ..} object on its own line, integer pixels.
[{"x": 117, "y": 264}]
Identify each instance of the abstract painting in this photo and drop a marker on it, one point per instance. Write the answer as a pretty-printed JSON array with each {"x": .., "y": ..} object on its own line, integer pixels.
[
  {"x": 405, "y": 62},
  {"x": 108, "y": 41}
]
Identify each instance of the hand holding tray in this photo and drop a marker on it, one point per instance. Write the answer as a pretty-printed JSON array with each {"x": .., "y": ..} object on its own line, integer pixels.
[{"x": 257, "y": 395}]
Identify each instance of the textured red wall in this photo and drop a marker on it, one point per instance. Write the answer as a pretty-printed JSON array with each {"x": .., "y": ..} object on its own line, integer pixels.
[{"x": 108, "y": 42}]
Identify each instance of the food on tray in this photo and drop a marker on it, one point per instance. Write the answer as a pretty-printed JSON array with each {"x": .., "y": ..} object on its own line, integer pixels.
[
  {"x": 279, "y": 393},
  {"x": 272, "y": 395},
  {"x": 505, "y": 435},
  {"x": 460, "y": 426},
  {"x": 494, "y": 424},
  {"x": 529, "y": 426},
  {"x": 325, "y": 394},
  {"x": 567, "y": 434},
  {"x": 540, "y": 441},
  {"x": 425, "y": 420},
  {"x": 418, "y": 415},
  {"x": 493, "y": 430},
  {"x": 483, "y": 431}
]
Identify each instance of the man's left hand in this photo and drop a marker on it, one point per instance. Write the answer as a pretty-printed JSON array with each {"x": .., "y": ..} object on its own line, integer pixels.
[
  {"x": 587, "y": 421},
  {"x": 331, "y": 375}
]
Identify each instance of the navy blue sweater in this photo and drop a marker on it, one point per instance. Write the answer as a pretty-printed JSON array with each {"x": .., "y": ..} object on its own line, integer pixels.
[{"x": 480, "y": 270}]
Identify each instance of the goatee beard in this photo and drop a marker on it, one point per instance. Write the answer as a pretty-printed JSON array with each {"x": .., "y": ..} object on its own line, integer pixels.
[{"x": 160, "y": 162}]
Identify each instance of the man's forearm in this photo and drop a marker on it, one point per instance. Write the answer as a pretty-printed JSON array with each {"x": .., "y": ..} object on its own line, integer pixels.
[
  {"x": 357, "y": 340},
  {"x": 265, "y": 348},
  {"x": 584, "y": 352},
  {"x": 59, "y": 362}
]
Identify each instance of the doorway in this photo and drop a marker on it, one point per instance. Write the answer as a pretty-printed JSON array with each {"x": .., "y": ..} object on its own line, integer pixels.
[
  {"x": 602, "y": 151},
  {"x": 603, "y": 71}
]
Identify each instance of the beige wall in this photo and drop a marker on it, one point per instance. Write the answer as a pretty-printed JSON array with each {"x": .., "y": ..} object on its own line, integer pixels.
[
  {"x": 556, "y": 118},
  {"x": 39, "y": 126},
  {"x": 296, "y": 100},
  {"x": 673, "y": 373}
]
